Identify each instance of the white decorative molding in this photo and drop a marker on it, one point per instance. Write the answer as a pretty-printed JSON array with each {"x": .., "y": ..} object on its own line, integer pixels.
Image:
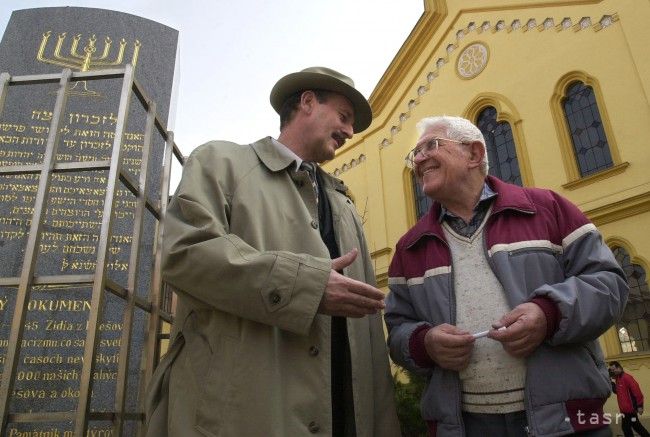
[
  {"x": 472, "y": 60},
  {"x": 606, "y": 21},
  {"x": 349, "y": 165},
  {"x": 477, "y": 57}
]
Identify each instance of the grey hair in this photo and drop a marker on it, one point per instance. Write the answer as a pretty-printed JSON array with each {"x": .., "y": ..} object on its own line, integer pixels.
[{"x": 456, "y": 128}]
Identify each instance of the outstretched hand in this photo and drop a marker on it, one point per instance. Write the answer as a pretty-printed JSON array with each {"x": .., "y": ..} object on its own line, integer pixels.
[{"x": 347, "y": 297}]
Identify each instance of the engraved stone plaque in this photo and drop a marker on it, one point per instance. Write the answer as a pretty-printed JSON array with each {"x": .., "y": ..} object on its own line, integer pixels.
[{"x": 50, "y": 354}]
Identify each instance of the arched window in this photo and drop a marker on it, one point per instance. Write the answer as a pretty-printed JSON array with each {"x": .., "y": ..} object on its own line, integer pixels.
[
  {"x": 500, "y": 144},
  {"x": 422, "y": 202},
  {"x": 586, "y": 129},
  {"x": 633, "y": 327}
]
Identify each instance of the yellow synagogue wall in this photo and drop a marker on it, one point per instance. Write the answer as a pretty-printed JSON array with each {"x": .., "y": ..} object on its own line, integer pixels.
[{"x": 534, "y": 50}]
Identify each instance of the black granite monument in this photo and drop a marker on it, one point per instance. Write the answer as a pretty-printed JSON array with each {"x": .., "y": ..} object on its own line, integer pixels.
[{"x": 48, "y": 40}]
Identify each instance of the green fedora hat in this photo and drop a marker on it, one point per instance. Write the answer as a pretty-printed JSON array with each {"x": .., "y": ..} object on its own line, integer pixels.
[{"x": 322, "y": 78}]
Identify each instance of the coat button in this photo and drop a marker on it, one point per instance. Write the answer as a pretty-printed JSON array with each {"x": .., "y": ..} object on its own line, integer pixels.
[
  {"x": 313, "y": 427},
  {"x": 313, "y": 351},
  {"x": 275, "y": 298},
  {"x": 314, "y": 224}
]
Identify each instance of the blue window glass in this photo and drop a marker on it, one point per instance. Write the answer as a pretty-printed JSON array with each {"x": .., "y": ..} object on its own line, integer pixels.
[
  {"x": 586, "y": 129},
  {"x": 633, "y": 326},
  {"x": 500, "y": 144},
  {"x": 422, "y": 202}
]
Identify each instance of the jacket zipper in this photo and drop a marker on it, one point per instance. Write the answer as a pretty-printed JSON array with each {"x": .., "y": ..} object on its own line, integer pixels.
[{"x": 527, "y": 396}]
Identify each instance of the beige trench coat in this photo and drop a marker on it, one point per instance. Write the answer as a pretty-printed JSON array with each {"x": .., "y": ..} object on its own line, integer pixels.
[{"x": 251, "y": 357}]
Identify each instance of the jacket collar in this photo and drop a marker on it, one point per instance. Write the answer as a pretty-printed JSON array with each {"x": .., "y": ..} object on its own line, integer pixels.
[
  {"x": 270, "y": 156},
  {"x": 509, "y": 196},
  {"x": 275, "y": 161}
]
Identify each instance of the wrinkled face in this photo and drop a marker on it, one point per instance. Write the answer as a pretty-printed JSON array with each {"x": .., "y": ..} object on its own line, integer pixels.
[
  {"x": 331, "y": 124},
  {"x": 443, "y": 169}
]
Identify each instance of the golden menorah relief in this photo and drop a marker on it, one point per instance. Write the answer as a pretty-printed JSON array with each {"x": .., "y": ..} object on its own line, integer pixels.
[{"x": 89, "y": 58}]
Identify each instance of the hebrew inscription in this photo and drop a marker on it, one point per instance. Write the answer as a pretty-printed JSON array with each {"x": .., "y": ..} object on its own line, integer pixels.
[{"x": 57, "y": 313}]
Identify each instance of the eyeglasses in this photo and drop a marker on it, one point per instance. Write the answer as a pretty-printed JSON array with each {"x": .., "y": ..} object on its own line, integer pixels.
[{"x": 426, "y": 148}]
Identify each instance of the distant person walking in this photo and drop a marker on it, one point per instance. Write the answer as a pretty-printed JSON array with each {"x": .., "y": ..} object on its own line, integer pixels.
[{"x": 630, "y": 399}]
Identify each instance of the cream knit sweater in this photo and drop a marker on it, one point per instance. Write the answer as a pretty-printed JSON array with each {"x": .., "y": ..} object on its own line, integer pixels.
[{"x": 493, "y": 383}]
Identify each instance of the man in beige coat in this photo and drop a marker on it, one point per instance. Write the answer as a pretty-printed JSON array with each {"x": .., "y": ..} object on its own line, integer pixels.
[{"x": 278, "y": 329}]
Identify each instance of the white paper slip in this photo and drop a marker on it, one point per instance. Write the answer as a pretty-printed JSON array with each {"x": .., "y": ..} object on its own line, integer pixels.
[{"x": 485, "y": 333}]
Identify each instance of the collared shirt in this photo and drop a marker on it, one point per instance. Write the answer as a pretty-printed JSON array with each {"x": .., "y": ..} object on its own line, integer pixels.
[
  {"x": 310, "y": 167},
  {"x": 285, "y": 151},
  {"x": 482, "y": 206}
]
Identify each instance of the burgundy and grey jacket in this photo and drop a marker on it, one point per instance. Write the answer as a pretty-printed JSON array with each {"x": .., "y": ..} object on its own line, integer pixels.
[{"x": 542, "y": 249}]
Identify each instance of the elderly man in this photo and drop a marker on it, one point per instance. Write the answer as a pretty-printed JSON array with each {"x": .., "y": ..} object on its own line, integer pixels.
[
  {"x": 498, "y": 295},
  {"x": 277, "y": 330}
]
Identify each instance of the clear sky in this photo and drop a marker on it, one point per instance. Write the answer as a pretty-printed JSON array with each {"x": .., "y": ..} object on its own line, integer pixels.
[{"x": 233, "y": 51}]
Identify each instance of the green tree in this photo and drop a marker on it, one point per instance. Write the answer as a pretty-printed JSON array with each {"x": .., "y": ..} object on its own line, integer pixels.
[{"x": 407, "y": 397}]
